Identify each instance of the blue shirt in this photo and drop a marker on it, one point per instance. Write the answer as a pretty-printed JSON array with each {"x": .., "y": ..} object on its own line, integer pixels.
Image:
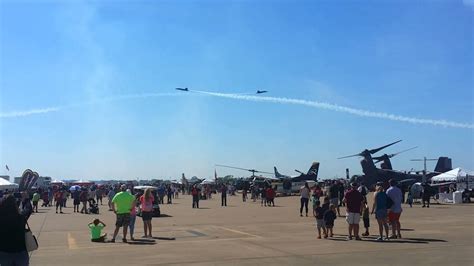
[
  {"x": 395, "y": 194},
  {"x": 381, "y": 201}
]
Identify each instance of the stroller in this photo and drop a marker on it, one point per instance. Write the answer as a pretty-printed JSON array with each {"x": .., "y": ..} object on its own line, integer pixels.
[{"x": 93, "y": 207}]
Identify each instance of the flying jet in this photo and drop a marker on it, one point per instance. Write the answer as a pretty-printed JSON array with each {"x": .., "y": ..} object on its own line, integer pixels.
[
  {"x": 260, "y": 92},
  {"x": 182, "y": 89}
]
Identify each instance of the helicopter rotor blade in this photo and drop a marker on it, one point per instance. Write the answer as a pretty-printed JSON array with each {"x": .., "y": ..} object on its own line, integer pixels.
[
  {"x": 355, "y": 155},
  {"x": 383, "y": 147},
  {"x": 220, "y": 165},
  {"x": 250, "y": 170},
  {"x": 391, "y": 155}
]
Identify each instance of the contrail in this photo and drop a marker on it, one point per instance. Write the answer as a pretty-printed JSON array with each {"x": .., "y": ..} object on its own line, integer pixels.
[
  {"x": 29, "y": 112},
  {"x": 342, "y": 109},
  {"x": 14, "y": 114}
]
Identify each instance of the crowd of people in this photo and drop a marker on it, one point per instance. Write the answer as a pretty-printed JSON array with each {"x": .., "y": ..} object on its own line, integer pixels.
[
  {"x": 387, "y": 208},
  {"x": 327, "y": 202}
]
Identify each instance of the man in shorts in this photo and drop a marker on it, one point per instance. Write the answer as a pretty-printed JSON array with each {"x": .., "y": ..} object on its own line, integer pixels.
[
  {"x": 395, "y": 194},
  {"x": 121, "y": 205},
  {"x": 353, "y": 199}
]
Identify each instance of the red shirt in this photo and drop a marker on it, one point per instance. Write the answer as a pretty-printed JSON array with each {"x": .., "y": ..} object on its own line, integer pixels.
[
  {"x": 353, "y": 200},
  {"x": 270, "y": 193},
  {"x": 58, "y": 196}
]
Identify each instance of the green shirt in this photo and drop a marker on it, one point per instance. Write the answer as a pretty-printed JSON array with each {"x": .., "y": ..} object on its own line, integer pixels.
[
  {"x": 96, "y": 230},
  {"x": 36, "y": 197},
  {"x": 123, "y": 202}
]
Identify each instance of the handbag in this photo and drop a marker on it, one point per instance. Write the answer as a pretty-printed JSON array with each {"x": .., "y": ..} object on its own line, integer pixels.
[{"x": 30, "y": 240}]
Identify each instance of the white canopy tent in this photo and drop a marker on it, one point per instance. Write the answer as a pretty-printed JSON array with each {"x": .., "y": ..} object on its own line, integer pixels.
[
  {"x": 5, "y": 184},
  {"x": 458, "y": 175},
  {"x": 55, "y": 181}
]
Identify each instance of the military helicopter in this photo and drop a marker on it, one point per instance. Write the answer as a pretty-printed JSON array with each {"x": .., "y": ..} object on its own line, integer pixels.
[
  {"x": 385, "y": 159},
  {"x": 253, "y": 179},
  {"x": 373, "y": 175}
]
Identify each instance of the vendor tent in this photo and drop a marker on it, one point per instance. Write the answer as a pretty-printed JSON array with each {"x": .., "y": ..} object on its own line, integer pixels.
[
  {"x": 56, "y": 182},
  {"x": 458, "y": 175},
  {"x": 82, "y": 182},
  {"x": 5, "y": 184}
]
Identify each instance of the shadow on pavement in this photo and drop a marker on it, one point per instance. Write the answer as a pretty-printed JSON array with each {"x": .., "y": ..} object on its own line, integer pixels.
[{"x": 164, "y": 238}]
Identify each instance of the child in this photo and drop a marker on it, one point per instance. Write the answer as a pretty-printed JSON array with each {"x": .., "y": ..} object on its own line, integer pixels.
[
  {"x": 96, "y": 231},
  {"x": 365, "y": 217},
  {"x": 329, "y": 217},
  {"x": 318, "y": 212}
]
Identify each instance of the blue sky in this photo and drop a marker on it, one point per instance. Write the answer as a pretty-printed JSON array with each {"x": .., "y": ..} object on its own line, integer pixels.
[{"x": 408, "y": 58}]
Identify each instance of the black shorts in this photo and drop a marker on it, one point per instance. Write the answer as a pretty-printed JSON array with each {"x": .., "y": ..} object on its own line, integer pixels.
[
  {"x": 123, "y": 219},
  {"x": 366, "y": 222},
  {"x": 77, "y": 202},
  {"x": 35, "y": 203},
  {"x": 147, "y": 216}
]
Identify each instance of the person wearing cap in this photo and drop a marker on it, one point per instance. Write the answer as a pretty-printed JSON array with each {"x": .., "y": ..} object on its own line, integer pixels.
[
  {"x": 353, "y": 199},
  {"x": 395, "y": 194},
  {"x": 121, "y": 205}
]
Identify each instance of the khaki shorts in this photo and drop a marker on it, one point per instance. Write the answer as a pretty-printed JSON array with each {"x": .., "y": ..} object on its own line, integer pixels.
[{"x": 353, "y": 218}]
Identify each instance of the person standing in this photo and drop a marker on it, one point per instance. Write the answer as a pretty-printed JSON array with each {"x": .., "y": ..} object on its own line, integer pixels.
[
  {"x": 195, "y": 194},
  {"x": 36, "y": 198},
  {"x": 304, "y": 199},
  {"x": 224, "y": 195},
  {"x": 353, "y": 199},
  {"x": 83, "y": 199},
  {"x": 244, "y": 195},
  {"x": 380, "y": 209},
  {"x": 334, "y": 196},
  {"x": 58, "y": 198},
  {"x": 426, "y": 195},
  {"x": 395, "y": 194},
  {"x": 99, "y": 194},
  {"x": 169, "y": 193},
  {"x": 121, "y": 205},
  {"x": 76, "y": 199},
  {"x": 110, "y": 196},
  {"x": 270, "y": 195},
  {"x": 146, "y": 205},
  {"x": 12, "y": 241}
]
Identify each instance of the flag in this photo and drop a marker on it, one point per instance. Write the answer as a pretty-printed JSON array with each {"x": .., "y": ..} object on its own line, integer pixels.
[{"x": 6, "y": 166}]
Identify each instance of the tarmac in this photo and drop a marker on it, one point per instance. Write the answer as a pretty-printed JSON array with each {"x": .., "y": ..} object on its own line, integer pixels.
[{"x": 245, "y": 233}]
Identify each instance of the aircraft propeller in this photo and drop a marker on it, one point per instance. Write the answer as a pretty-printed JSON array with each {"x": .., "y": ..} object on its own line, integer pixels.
[
  {"x": 381, "y": 158},
  {"x": 372, "y": 151}
]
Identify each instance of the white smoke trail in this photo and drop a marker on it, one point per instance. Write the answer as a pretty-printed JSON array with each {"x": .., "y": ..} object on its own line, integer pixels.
[
  {"x": 14, "y": 114},
  {"x": 343, "y": 109},
  {"x": 29, "y": 112}
]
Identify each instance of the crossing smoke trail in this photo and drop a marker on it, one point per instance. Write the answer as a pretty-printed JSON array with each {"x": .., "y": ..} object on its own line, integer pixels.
[
  {"x": 342, "y": 109},
  {"x": 14, "y": 114}
]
